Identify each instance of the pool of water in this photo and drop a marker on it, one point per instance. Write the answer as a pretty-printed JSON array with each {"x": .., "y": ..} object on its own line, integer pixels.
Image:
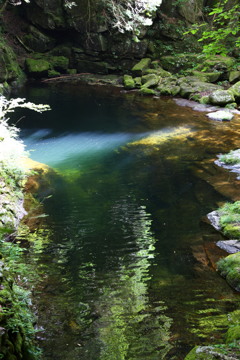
[{"x": 123, "y": 263}]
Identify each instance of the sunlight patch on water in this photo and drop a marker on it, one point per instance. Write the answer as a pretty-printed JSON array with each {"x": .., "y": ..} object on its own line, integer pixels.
[{"x": 66, "y": 149}]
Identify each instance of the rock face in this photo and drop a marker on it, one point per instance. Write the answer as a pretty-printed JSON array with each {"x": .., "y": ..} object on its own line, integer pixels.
[{"x": 93, "y": 45}]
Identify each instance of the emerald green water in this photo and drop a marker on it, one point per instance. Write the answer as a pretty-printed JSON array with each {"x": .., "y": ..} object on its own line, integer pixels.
[{"x": 120, "y": 259}]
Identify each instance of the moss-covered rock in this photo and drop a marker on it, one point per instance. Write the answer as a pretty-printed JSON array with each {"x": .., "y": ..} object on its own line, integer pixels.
[
  {"x": 235, "y": 91},
  {"x": 128, "y": 82},
  {"x": 138, "y": 69},
  {"x": 191, "y": 85},
  {"x": 37, "y": 68},
  {"x": 159, "y": 71},
  {"x": 147, "y": 91},
  {"x": 211, "y": 77},
  {"x": 179, "y": 62},
  {"x": 229, "y": 268},
  {"x": 59, "y": 63},
  {"x": 217, "y": 63},
  {"x": 234, "y": 76},
  {"x": 138, "y": 82},
  {"x": 215, "y": 352},
  {"x": 221, "y": 97},
  {"x": 150, "y": 80},
  {"x": 168, "y": 86},
  {"x": 53, "y": 73}
]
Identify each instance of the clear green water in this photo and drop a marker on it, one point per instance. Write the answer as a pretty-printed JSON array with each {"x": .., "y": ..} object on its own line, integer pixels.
[{"x": 120, "y": 260}]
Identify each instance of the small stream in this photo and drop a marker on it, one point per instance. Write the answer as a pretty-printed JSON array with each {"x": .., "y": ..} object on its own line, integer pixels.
[{"x": 123, "y": 263}]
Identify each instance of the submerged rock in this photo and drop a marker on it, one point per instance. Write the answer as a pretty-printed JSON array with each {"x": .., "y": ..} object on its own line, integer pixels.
[{"x": 220, "y": 115}]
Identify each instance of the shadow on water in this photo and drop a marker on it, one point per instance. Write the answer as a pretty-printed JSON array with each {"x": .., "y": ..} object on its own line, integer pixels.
[{"x": 120, "y": 262}]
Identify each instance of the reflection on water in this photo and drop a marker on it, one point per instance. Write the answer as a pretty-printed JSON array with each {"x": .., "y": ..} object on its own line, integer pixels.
[{"x": 120, "y": 262}]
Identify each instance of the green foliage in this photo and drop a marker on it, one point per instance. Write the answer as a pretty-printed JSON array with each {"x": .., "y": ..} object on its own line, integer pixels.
[
  {"x": 222, "y": 36},
  {"x": 130, "y": 15}
]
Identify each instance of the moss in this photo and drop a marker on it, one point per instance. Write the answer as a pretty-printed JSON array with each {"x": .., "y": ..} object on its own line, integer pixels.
[
  {"x": 147, "y": 91},
  {"x": 53, "y": 73},
  {"x": 233, "y": 334},
  {"x": 178, "y": 62},
  {"x": 59, "y": 63},
  {"x": 37, "y": 67},
  {"x": 128, "y": 82},
  {"x": 207, "y": 76},
  {"x": 150, "y": 80},
  {"x": 138, "y": 82},
  {"x": 234, "y": 75},
  {"x": 230, "y": 218},
  {"x": 71, "y": 71},
  {"x": 138, "y": 69},
  {"x": 9, "y": 68},
  {"x": 217, "y": 63},
  {"x": 232, "y": 158},
  {"x": 235, "y": 90},
  {"x": 204, "y": 353},
  {"x": 231, "y": 106},
  {"x": 229, "y": 268}
]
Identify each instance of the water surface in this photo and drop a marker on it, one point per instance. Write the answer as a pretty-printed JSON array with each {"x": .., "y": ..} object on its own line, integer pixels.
[{"x": 123, "y": 262}]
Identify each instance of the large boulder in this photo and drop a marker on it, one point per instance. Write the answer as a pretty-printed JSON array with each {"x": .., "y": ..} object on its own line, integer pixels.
[
  {"x": 217, "y": 63},
  {"x": 191, "y": 85},
  {"x": 180, "y": 62},
  {"x": 168, "y": 86},
  {"x": 37, "y": 67},
  {"x": 221, "y": 97}
]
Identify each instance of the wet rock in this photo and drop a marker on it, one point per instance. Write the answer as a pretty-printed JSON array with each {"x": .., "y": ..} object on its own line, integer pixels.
[
  {"x": 214, "y": 219},
  {"x": 230, "y": 246},
  {"x": 220, "y": 115},
  {"x": 221, "y": 97},
  {"x": 168, "y": 86}
]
